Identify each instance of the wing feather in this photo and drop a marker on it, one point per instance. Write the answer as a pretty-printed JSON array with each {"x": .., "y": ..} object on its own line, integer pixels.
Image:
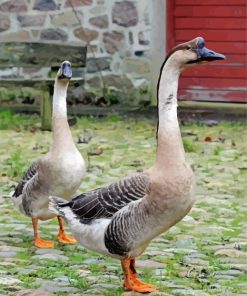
[
  {"x": 104, "y": 202},
  {"x": 28, "y": 175}
]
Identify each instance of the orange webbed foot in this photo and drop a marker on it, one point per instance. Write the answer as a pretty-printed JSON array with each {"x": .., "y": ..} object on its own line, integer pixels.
[
  {"x": 41, "y": 243},
  {"x": 65, "y": 238},
  {"x": 131, "y": 281},
  {"x": 139, "y": 286},
  {"x": 135, "y": 279}
]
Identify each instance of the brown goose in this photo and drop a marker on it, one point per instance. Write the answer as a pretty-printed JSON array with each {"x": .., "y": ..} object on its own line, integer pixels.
[
  {"x": 58, "y": 172},
  {"x": 121, "y": 219}
]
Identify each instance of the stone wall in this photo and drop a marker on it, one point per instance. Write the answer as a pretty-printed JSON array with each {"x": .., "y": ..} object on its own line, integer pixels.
[{"x": 118, "y": 34}]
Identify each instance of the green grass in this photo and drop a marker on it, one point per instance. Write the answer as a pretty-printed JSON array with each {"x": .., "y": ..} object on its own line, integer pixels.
[
  {"x": 51, "y": 270},
  {"x": 115, "y": 292},
  {"x": 77, "y": 281},
  {"x": 23, "y": 255},
  {"x": 76, "y": 257},
  {"x": 129, "y": 145},
  {"x": 96, "y": 268},
  {"x": 16, "y": 164},
  {"x": 218, "y": 266},
  {"x": 27, "y": 278},
  {"x": 11, "y": 120},
  {"x": 218, "y": 150},
  {"x": 190, "y": 146}
]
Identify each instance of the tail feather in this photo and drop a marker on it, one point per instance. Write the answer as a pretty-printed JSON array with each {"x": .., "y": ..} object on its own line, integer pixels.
[
  {"x": 11, "y": 194},
  {"x": 57, "y": 204}
]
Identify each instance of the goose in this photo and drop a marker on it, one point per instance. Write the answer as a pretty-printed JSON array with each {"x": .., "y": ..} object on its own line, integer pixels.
[
  {"x": 121, "y": 219},
  {"x": 60, "y": 171}
]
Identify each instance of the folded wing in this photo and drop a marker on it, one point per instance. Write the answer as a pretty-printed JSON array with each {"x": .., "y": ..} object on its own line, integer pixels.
[
  {"x": 104, "y": 202},
  {"x": 28, "y": 175}
]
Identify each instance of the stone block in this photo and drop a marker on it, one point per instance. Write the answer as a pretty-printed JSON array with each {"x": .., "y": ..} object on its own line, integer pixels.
[
  {"x": 101, "y": 2},
  {"x": 138, "y": 66},
  {"x": 31, "y": 20},
  {"x": 113, "y": 41},
  {"x": 144, "y": 37},
  {"x": 4, "y": 23},
  {"x": 98, "y": 10},
  {"x": 19, "y": 36},
  {"x": 92, "y": 49},
  {"x": 98, "y": 64},
  {"x": 14, "y": 6},
  {"x": 76, "y": 3},
  {"x": 29, "y": 292},
  {"x": 86, "y": 34},
  {"x": 131, "y": 38},
  {"x": 100, "y": 21},
  {"x": 9, "y": 281},
  {"x": 118, "y": 82},
  {"x": 65, "y": 19},
  {"x": 53, "y": 34},
  {"x": 94, "y": 82},
  {"x": 125, "y": 14},
  {"x": 35, "y": 34},
  {"x": 45, "y": 5}
]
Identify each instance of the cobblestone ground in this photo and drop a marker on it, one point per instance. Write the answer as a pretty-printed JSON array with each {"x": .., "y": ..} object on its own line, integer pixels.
[{"x": 205, "y": 254}]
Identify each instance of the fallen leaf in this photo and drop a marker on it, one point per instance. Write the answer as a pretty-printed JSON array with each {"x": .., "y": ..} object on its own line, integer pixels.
[
  {"x": 96, "y": 152},
  {"x": 34, "y": 129},
  {"x": 208, "y": 139}
]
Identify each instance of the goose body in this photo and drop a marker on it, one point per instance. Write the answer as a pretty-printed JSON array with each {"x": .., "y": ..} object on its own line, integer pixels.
[
  {"x": 58, "y": 172},
  {"x": 121, "y": 219},
  {"x": 118, "y": 220},
  {"x": 47, "y": 176}
]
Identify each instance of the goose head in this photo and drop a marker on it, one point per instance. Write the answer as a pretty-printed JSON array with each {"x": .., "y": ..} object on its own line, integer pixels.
[
  {"x": 65, "y": 71},
  {"x": 192, "y": 53}
]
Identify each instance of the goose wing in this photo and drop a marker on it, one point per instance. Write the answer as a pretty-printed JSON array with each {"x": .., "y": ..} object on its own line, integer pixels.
[
  {"x": 104, "y": 202},
  {"x": 28, "y": 175}
]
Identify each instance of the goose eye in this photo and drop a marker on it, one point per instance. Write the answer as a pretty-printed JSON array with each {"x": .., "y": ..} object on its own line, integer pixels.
[{"x": 188, "y": 47}]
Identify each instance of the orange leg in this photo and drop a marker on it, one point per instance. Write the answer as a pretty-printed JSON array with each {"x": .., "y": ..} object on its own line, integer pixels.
[
  {"x": 62, "y": 236},
  {"x": 38, "y": 241},
  {"x": 131, "y": 282},
  {"x": 134, "y": 276}
]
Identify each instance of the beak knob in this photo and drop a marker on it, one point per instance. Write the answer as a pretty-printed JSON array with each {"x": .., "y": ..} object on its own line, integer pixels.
[
  {"x": 65, "y": 70},
  {"x": 205, "y": 54}
]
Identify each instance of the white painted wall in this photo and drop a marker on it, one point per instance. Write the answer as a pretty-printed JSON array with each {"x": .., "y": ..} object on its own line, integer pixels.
[{"x": 158, "y": 41}]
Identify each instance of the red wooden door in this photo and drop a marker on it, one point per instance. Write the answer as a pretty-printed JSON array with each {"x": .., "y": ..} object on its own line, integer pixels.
[{"x": 223, "y": 24}]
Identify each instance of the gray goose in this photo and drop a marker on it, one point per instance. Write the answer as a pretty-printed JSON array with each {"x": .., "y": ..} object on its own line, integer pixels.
[
  {"x": 121, "y": 219},
  {"x": 59, "y": 172}
]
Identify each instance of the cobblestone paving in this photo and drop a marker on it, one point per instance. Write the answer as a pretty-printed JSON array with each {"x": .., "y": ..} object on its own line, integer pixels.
[{"x": 205, "y": 254}]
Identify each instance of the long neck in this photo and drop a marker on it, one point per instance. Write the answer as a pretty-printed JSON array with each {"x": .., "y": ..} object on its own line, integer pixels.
[
  {"x": 169, "y": 143},
  {"x": 59, "y": 99},
  {"x": 62, "y": 138}
]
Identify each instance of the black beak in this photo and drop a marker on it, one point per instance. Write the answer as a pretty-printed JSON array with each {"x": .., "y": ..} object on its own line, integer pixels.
[
  {"x": 65, "y": 71},
  {"x": 205, "y": 54}
]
